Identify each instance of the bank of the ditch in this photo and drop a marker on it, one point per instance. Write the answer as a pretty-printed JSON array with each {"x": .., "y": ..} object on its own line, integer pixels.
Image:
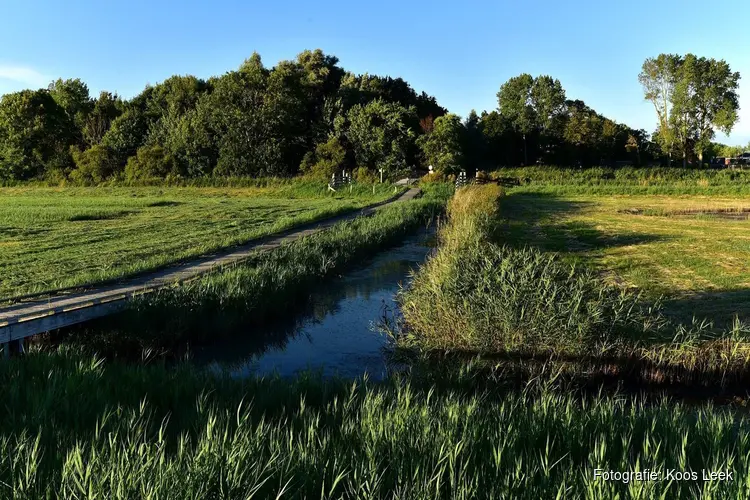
[
  {"x": 479, "y": 296},
  {"x": 74, "y": 427},
  {"x": 269, "y": 285}
]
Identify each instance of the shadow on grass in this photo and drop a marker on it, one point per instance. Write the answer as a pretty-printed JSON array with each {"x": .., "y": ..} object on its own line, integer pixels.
[
  {"x": 720, "y": 306},
  {"x": 584, "y": 374},
  {"x": 542, "y": 220}
]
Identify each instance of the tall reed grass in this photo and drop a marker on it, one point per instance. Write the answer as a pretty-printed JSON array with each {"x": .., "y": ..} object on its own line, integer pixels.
[
  {"x": 477, "y": 294},
  {"x": 81, "y": 428}
]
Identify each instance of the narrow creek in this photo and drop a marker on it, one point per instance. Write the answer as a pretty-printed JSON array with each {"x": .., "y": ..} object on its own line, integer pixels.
[{"x": 337, "y": 333}]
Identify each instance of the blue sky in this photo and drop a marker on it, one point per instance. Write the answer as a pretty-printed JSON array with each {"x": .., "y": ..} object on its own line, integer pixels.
[{"x": 460, "y": 52}]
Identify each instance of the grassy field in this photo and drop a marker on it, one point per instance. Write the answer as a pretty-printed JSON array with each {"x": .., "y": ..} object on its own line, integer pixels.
[
  {"x": 76, "y": 426},
  {"x": 693, "y": 250},
  {"x": 59, "y": 237},
  {"x": 531, "y": 307}
]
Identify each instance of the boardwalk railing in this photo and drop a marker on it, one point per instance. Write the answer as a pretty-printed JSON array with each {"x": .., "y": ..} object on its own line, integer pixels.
[{"x": 339, "y": 180}]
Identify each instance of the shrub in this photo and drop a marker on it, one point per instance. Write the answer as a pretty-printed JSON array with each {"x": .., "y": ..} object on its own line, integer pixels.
[
  {"x": 364, "y": 175},
  {"x": 93, "y": 165},
  {"x": 329, "y": 158},
  {"x": 150, "y": 162}
]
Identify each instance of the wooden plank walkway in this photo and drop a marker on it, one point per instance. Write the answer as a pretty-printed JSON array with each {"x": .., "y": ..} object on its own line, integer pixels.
[{"x": 39, "y": 314}]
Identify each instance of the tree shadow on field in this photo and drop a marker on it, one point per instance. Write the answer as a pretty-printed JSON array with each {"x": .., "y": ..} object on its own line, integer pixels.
[
  {"x": 543, "y": 221},
  {"x": 720, "y": 306}
]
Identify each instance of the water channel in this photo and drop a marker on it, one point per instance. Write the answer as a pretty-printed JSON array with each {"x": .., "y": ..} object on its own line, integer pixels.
[{"x": 336, "y": 333}]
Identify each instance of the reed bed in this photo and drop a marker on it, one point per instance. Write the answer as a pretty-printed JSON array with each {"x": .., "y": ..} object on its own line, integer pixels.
[
  {"x": 479, "y": 296},
  {"x": 80, "y": 427}
]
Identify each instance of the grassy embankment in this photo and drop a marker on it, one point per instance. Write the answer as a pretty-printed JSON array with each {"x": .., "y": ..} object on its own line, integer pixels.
[
  {"x": 480, "y": 295},
  {"x": 60, "y": 237}
]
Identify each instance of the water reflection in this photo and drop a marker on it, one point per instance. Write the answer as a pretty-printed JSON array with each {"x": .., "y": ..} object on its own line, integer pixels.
[{"x": 334, "y": 334}]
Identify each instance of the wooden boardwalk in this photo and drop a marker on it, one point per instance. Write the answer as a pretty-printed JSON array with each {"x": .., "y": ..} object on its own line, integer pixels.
[{"x": 42, "y": 313}]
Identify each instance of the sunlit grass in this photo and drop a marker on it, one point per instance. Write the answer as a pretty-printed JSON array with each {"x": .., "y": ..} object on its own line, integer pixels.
[
  {"x": 662, "y": 245},
  {"x": 58, "y": 237}
]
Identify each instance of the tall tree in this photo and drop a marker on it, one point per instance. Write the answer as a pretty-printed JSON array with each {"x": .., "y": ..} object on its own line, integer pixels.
[
  {"x": 442, "y": 147},
  {"x": 658, "y": 77},
  {"x": 693, "y": 96},
  {"x": 710, "y": 95},
  {"x": 105, "y": 110},
  {"x": 35, "y": 134},
  {"x": 73, "y": 97},
  {"x": 532, "y": 104},
  {"x": 380, "y": 135},
  {"x": 514, "y": 100}
]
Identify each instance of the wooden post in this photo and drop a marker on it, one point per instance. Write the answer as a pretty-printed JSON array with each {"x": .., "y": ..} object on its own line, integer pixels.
[{"x": 6, "y": 350}]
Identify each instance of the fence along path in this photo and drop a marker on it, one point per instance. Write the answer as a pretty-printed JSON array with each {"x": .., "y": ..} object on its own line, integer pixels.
[{"x": 39, "y": 314}]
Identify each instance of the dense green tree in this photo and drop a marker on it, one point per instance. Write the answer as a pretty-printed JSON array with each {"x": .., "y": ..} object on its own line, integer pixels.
[
  {"x": 35, "y": 134},
  {"x": 442, "y": 147},
  {"x": 706, "y": 99},
  {"x": 514, "y": 101},
  {"x": 98, "y": 121},
  {"x": 127, "y": 133},
  {"x": 380, "y": 135},
  {"x": 73, "y": 97},
  {"x": 473, "y": 144},
  {"x": 328, "y": 158},
  {"x": 692, "y": 97}
]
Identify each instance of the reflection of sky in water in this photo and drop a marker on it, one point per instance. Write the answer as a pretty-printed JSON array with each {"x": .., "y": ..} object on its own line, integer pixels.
[{"x": 335, "y": 334}]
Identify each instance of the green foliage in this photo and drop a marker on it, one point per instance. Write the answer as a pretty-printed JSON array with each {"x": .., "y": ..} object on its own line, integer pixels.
[
  {"x": 150, "y": 162},
  {"x": 692, "y": 96},
  {"x": 442, "y": 146},
  {"x": 80, "y": 427},
  {"x": 330, "y": 157},
  {"x": 129, "y": 230},
  {"x": 93, "y": 165},
  {"x": 380, "y": 135},
  {"x": 34, "y": 131},
  {"x": 531, "y": 104},
  {"x": 265, "y": 286},
  {"x": 475, "y": 294},
  {"x": 126, "y": 134},
  {"x": 96, "y": 123},
  {"x": 73, "y": 97}
]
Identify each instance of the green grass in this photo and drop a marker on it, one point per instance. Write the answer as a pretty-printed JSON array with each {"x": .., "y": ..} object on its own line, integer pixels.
[
  {"x": 266, "y": 286},
  {"x": 82, "y": 428},
  {"x": 517, "y": 302},
  {"x": 659, "y": 244},
  {"x": 477, "y": 294},
  {"x": 60, "y": 237},
  {"x": 629, "y": 180}
]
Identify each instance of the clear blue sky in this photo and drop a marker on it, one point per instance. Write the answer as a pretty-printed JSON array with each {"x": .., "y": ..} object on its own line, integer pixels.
[{"x": 460, "y": 52}]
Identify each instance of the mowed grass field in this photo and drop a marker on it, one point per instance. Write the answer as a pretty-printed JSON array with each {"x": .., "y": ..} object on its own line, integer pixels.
[
  {"x": 59, "y": 237},
  {"x": 694, "y": 250}
]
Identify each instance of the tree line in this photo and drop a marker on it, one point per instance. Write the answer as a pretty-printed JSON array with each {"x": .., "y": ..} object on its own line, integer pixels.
[{"x": 310, "y": 116}]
